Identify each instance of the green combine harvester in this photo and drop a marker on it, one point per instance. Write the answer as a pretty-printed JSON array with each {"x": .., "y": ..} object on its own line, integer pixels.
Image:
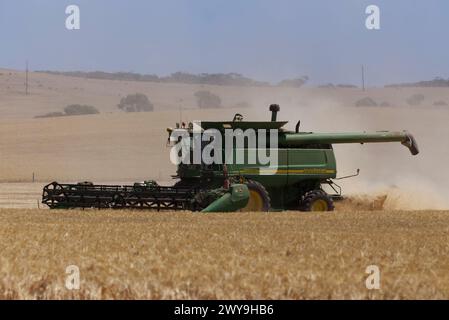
[{"x": 305, "y": 164}]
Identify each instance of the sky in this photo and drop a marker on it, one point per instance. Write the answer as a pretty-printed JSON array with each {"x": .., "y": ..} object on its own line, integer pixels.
[{"x": 327, "y": 40}]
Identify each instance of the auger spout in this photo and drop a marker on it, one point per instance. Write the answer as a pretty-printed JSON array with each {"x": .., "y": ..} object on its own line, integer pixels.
[{"x": 298, "y": 139}]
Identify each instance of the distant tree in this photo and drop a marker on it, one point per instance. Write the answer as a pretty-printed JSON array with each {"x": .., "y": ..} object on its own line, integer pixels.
[
  {"x": 183, "y": 77},
  {"x": 437, "y": 82},
  {"x": 366, "y": 102},
  {"x": 135, "y": 103},
  {"x": 416, "y": 99},
  {"x": 78, "y": 109},
  {"x": 206, "y": 99},
  {"x": 327, "y": 86},
  {"x": 296, "y": 83},
  {"x": 440, "y": 103}
]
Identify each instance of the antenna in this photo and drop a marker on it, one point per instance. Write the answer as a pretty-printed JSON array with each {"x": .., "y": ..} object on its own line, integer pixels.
[{"x": 26, "y": 79}]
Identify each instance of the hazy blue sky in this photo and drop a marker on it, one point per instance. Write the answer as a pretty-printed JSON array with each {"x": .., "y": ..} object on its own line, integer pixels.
[{"x": 267, "y": 40}]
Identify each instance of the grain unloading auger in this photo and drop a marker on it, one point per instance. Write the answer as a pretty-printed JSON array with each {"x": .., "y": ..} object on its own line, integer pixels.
[
  {"x": 305, "y": 162},
  {"x": 298, "y": 139}
]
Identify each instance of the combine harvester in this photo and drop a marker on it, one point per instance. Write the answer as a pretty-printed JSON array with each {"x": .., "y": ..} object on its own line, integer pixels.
[{"x": 305, "y": 163}]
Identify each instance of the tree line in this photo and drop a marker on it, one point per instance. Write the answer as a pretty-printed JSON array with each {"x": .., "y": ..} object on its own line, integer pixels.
[{"x": 222, "y": 79}]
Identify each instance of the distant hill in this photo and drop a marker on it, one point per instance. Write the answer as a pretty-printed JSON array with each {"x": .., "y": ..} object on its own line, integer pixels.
[{"x": 435, "y": 83}]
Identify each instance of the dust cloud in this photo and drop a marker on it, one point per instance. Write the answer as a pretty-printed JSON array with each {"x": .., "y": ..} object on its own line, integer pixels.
[{"x": 387, "y": 170}]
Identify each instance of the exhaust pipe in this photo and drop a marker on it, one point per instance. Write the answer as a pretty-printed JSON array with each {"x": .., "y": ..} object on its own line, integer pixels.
[{"x": 274, "y": 108}]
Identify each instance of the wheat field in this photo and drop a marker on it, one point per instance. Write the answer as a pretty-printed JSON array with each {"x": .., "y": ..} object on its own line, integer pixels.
[{"x": 290, "y": 255}]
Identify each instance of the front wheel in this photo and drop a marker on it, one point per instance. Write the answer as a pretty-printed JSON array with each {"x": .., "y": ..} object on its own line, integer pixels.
[
  {"x": 259, "y": 199},
  {"x": 316, "y": 200}
]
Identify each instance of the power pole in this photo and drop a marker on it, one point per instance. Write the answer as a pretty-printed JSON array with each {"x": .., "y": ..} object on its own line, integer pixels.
[
  {"x": 26, "y": 79},
  {"x": 363, "y": 77}
]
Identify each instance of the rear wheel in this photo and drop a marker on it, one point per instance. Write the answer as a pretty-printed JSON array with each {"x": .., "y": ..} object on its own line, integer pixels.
[
  {"x": 316, "y": 200},
  {"x": 259, "y": 199}
]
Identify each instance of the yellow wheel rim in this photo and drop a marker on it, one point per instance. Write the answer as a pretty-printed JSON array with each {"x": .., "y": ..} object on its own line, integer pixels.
[
  {"x": 255, "y": 202},
  {"x": 319, "y": 205}
]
